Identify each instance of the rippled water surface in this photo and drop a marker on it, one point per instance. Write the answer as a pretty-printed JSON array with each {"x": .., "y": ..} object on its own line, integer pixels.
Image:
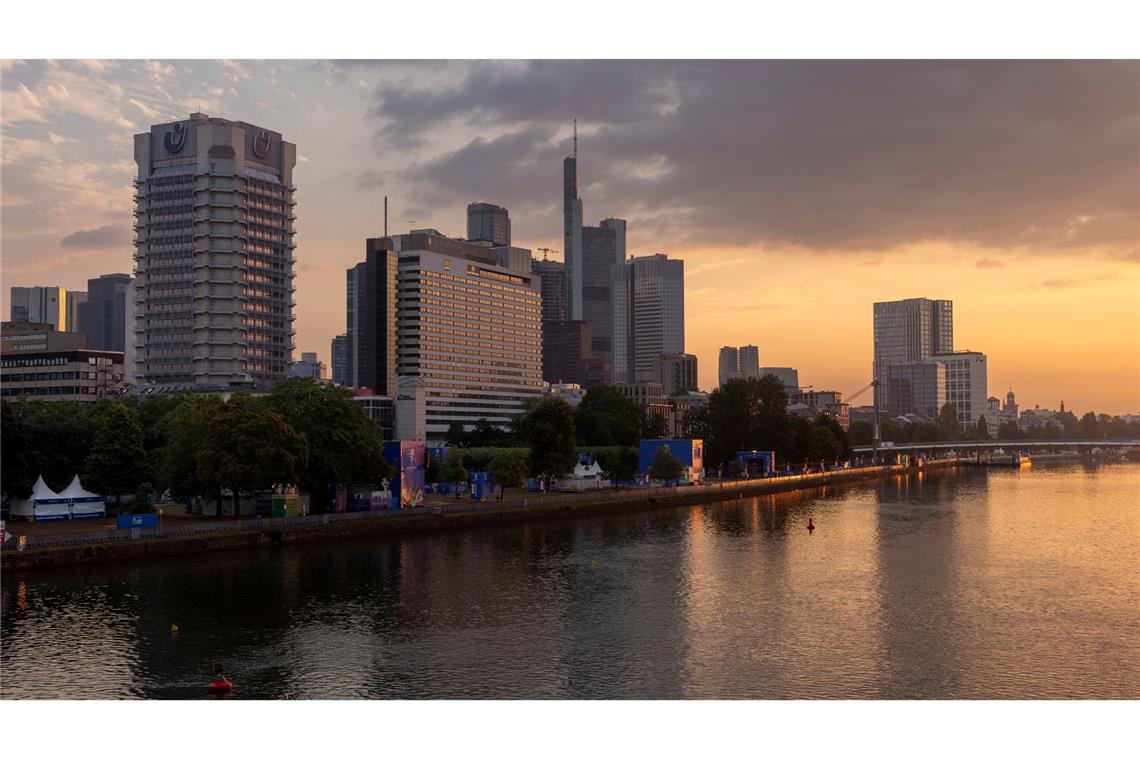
[{"x": 996, "y": 584}]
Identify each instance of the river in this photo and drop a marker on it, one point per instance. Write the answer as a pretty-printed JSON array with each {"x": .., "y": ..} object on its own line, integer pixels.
[{"x": 996, "y": 584}]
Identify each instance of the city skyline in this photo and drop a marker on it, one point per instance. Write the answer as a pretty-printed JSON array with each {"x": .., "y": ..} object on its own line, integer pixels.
[{"x": 778, "y": 252}]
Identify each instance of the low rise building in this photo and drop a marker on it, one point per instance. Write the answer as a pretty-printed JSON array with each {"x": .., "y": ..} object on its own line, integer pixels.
[{"x": 40, "y": 363}]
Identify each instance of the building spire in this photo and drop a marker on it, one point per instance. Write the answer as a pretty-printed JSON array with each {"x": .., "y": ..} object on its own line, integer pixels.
[{"x": 575, "y": 139}]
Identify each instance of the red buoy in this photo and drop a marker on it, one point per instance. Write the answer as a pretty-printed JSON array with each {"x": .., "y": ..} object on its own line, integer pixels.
[
  {"x": 811, "y": 525},
  {"x": 220, "y": 686}
]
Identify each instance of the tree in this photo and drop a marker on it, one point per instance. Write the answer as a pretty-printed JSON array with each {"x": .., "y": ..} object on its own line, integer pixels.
[
  {"x": 607, "y": 417},
  {"x": 116, "y": 464},
  {"x": 665, "y": 466},
  {"x": 1087, "y": 428},
  {"x": 508, "y": 468},
  {"x": 17, "y": 452},
  {"x": 344, "y": 444},
  {"x": 982, "y": 428},
  {"x": 548, "y": 427},
  {"x": 746, "y": 414},
  {"x": 452, "y": 470},
  {"x": 1009, "y": 431},
  {"x": 618, "y": 462},
  {"x": 948, "y": 426},
  {"x": 51, "y": 438},
  {"x": 842, "y": 445},
  {"x": 140, "y": 503},
  {"x": 654, "y": 425},
  {"x": 183, "y": 430},
  {"x": 249, "y": 448}
]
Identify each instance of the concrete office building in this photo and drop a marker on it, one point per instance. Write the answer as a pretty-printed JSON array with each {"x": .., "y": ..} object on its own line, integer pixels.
[
  {"x": 789, "y": 376},
  {"x": 911, "y": 330},
  {"x": 488, "y": 223},
  {"x": 341, "y": 374},
  {"x": 738, "y": 363},
  {"x": 103, "y": 315},
  {"x": 966, "y": 384},
  {"x": 40, "y": 363},
  {"x": 40, "y": 305},
  {"x": 649, "y": 315},
  {"x": 214, "y": 253},
  {"x": 371, "y": 303},
  {"x": 593, "y": 256},
  {"x": 677, "y": 373},
  {"x": 469, "y": 334},
  {"x": 915, "y": 388}
]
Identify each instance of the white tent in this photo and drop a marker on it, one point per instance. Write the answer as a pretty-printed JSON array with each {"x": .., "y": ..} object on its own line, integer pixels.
[
  {"x": 84, "y": 504},
  {"x": 44, "y": 504}
]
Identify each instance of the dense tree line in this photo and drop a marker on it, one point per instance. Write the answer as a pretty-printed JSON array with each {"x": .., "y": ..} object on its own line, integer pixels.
[
  {"x": 751, "y": 414},
  {"x": 301, "y": 433}
]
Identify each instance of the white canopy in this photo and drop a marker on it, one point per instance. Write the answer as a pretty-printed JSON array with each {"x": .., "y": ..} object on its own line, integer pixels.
[
  {"x": 83, "y": 502},
  {"x": 587, "y": 471},
  {"x": 44, "y": 504}
]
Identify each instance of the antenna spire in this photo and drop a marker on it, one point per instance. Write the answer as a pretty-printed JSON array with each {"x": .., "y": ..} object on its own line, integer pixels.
[{"x": 575, "y": 138}]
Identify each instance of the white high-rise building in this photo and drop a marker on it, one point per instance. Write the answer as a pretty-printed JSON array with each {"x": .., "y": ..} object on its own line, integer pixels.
[
  {"x": 214, "y": 253},
  {"x": 739, "y": 363}
]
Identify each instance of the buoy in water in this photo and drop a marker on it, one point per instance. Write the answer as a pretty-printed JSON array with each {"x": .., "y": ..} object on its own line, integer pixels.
[
  {"x": 811, "y": 526},
  {"x": 220, "y": 686}
]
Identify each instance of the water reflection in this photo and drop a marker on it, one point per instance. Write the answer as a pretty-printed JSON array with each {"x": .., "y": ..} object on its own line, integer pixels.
[{"x": 980, "y": 584}]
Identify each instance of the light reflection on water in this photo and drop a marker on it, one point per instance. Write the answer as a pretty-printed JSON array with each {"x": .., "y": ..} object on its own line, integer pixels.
[{"x": 997, "y": 584}]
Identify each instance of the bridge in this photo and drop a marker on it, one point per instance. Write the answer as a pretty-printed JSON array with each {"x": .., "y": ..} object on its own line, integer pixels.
[{"x": 1017, "y": 445}]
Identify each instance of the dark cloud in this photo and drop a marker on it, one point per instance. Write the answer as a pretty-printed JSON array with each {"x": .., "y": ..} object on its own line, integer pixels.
[
  {"x": 825, "y": 155},
  {"x": 107, "y": 236},
  {"x": 1076, "y": 282}
]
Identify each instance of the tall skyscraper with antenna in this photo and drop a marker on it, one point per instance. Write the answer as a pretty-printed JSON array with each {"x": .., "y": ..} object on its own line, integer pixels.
[{"x": 593, "y": 255}]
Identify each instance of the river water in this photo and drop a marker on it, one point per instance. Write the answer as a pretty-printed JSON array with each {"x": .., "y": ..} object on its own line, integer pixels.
[{"x": 977, "y": 584}]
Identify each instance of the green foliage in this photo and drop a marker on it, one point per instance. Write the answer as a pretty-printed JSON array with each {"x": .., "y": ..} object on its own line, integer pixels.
[
  {"x": 182, "y": 431},
  {"x": 982, "y": 429},
  {"x": 17, "y": 455},
  {"x": 452, "y": 470},
  {"x": 654, "y": 425},
  {"x": 607, "y": 417},
  {"x": 248, "y": 448},
  {"x": 1088, "y": 426},
  {"x": 432, "y": 470},
  {"x": 140, "y": 502},
  {"x": 344, "y": 444},
  {"x": 508, "y": 468},
  {"x": 116, "y": 462},
  {"x": 548, "y": 426},
  {"x": 618, "y": 462},
  {"x": 49, "y": 438},
  {"x": 665, "y": 466},
  {"x": 948, "y": 426}
]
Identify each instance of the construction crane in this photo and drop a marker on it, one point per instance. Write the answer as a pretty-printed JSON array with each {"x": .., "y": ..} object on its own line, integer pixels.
[
  {"x": 875, "y": 412},
  {"x": 545, "y": 251}
]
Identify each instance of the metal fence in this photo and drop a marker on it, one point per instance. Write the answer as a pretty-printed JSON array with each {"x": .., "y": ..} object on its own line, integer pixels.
[{"x": 655, "y": 495}]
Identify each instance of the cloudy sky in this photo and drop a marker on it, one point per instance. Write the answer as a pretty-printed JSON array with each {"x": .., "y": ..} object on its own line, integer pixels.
[{"x": 798, "y": 193}]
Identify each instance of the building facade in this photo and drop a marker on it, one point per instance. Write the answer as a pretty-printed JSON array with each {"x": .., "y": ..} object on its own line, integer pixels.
[
  {"x": 488, "y": 223},
  {"x": 76, "y": 299},
  {"x": 40, "y": 363},
  {"x": 915, "y": 388},
  {"x": 339, "y": 351},
  {"x": 677, "y": 373},
  {"x": 39, "y": 304},
  {"x": 649, "y": 315},
  {"x": 371, "y": 305},
  {"x": 966, "y": 384},
  {"x": 789, "y": 376},
  {"x": 593, "y": 256},
  {"x": 565, "y": 351},
  {"x": 214, "y": 253},
  {"x": 738, "y": 363},
  {"x": 468, "y": 331},
  {"x": 911, "y": 330},
  {"x": 552, "y": 281},
  {"x": 103, "y": 315},
  {"x": 308, "y": 366}
]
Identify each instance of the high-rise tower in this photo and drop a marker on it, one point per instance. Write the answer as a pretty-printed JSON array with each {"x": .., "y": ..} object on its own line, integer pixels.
[{"x": 214, "y": 253}]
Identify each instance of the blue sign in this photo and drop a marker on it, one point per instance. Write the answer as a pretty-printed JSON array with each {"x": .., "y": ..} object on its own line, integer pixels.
[
  {"x": 175, "y": 138},
  {"x": 137, "y": 521}
]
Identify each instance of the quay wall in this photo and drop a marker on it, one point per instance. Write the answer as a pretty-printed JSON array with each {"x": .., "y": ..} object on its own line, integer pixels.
[{"x": 533, "y": 507}]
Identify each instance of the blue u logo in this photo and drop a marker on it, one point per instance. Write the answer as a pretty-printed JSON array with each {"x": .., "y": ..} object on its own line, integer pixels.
[{"x": 175, "y": 138}]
